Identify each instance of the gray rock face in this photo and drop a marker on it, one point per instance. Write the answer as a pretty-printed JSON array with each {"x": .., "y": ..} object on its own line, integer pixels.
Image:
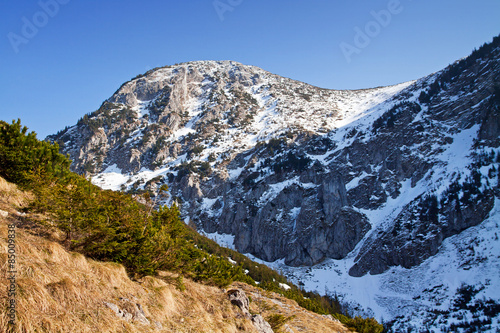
[
  {"x": 490, "y": 126},
  {"x": 419, "y": 239},
  {"x": 261, "y": 325},
  {"x": 129, "y": 311},
  {"x": 321, "y": 224},
  {"x": 240, "y": 299},
  {"x": 300, "y": 173}
]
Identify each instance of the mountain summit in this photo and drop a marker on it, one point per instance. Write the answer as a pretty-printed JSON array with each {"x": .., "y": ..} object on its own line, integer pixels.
[
  {"x": 377, "y": 185},
  {"x": 227, "y": 139}
]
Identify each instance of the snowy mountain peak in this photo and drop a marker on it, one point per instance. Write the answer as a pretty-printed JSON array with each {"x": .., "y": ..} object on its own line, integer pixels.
[{"x": 374, "y": 188}]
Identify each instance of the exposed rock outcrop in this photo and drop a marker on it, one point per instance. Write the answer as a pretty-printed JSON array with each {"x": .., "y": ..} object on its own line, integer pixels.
[
  {"x": 261, "y": 325},
  {"x": 129, "y": 311},
  {"x": 239, "y": 298}
]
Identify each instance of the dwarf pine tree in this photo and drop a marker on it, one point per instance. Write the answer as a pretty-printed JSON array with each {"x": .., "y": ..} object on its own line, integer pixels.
[{"x": 24, "y": 158}]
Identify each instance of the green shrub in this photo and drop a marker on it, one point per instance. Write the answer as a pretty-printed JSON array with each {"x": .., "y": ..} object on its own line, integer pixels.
[
  {"x": 23, "y": 158},
  {"x": 217, "y": 271},
  {"x": 277, "y": 321},
  {"x": 196, "y": 150}
]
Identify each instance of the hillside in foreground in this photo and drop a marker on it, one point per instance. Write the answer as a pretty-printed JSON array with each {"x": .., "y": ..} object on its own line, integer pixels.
[{"x": 62, "y": 291}]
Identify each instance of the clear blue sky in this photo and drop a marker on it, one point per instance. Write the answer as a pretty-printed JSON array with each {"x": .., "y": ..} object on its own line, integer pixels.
[{"x": 81, "y": 52}]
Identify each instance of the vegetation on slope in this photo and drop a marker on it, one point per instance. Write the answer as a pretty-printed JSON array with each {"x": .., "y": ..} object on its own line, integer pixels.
[
  {"x": 112, "y": 226},
  {"x": 61, "y": 291}
]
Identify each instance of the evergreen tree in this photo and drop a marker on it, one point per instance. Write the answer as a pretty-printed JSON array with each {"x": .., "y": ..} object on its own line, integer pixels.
[{"x": 24, "y": 159}]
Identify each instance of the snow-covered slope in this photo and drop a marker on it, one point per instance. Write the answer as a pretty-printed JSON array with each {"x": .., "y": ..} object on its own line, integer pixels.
[
  {"x": 430, "y": 296},
  {"x": 386, "y": 196}
]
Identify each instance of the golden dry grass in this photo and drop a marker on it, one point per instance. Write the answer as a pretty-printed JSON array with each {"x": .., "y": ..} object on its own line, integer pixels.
[
  {"x": 60, "y": 291},
  {"x": 11, "y": 197}
]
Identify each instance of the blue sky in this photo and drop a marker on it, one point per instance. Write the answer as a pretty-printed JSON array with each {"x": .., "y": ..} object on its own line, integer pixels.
[{"x": 60, "y": 59}]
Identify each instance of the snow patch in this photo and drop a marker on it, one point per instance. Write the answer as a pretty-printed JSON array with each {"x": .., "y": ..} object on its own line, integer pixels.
[{"x": 224, "y": 240}]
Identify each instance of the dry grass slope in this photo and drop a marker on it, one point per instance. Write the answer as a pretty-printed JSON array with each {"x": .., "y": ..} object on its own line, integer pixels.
[{"x": 59, "y": 291}]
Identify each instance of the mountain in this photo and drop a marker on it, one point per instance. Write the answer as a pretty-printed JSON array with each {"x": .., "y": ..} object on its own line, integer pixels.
[
  {"x": 215, "y": 132},
  {"x": 386, "y": 196}
]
